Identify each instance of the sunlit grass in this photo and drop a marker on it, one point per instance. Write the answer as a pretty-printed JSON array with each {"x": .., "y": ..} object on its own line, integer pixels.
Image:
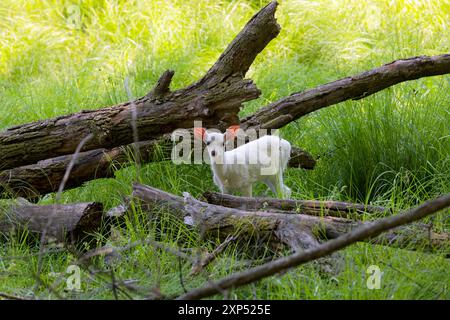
[{"x": 389, "y": 149}]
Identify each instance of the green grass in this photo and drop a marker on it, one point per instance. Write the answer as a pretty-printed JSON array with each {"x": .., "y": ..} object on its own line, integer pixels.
[{"x": 389, "y": 149}]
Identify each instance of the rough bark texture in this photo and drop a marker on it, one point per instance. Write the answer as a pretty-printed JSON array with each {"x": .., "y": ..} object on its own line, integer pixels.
[
  {"x": 301, "y": 159},
  {"x": 297, "y": 231},
  {"x": 71, "y": 223},
  {"x": 310, "y": 207},
  {"x": 33, "y": 180},
  {"x": 215, "y": 99},
  {"x": 301, "y": 231},
  {"x": 365, "y": 232},
  {"x": 285, "y": 110}
]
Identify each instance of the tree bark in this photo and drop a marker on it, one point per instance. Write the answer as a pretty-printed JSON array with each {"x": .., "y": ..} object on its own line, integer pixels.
[
  {"x": 301, "y": 159},
  {"x": 285, "y": 110},
  {"x": 364, "y": 232},
  {"x": 32, "y": 181},
  {"x": 215, "y": 99},
  {"x": 294, "y": 230},
  {"x": 66, "y": 223},
  {"x": 309, "y": 207}
]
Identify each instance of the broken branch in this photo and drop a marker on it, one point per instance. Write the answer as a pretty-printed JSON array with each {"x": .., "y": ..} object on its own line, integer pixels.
[{"x": 287, "y": 109}]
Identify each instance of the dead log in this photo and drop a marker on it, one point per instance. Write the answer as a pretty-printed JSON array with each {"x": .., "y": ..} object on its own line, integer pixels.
[
  {"x": 296, "y": 231},
  {"x": 285, "y": 110},
  {"x": 309, "y": 207},
  {"x": 364, "y": 232},
  {"x": 215, "y": 99},
  {"x": 33, "y": 180},
  {"x": 70, "y": 223},
  {"x": 300, "y": 230},
  {"x": 301, "y": 159}
]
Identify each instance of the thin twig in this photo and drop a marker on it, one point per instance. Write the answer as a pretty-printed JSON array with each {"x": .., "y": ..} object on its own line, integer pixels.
[
  {"x": 109, "y": 250},
  {"x": 71, "y": 164},
  {"x": 210, "y": 257}
]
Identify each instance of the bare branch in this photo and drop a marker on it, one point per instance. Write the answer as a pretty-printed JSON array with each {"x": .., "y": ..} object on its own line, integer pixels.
[
  {"x": 242, "y": 51},
  {"x": 107, "y": 250},
  {"x": 285, "y": 110},
  {"x": 278, "y": 229},
  {"x": 162, "y": 86}
]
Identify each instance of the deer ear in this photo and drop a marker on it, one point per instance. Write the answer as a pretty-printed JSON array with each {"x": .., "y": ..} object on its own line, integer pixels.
[
  {"x": 232, "y": 132},
  {"x": 199, "y": 133}
]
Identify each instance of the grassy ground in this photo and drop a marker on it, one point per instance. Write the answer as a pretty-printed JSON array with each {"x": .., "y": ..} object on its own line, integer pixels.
[{"x": 389, "y": 149}]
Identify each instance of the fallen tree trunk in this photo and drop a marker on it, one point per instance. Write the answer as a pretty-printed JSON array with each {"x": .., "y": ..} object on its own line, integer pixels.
[
  {"x": 295, "y": 230},
  {"x": 285, "y": 110},
  {"x": 363, "y": 232},
  {"x": 300, "y": 230},
  {"x": 310, "y": 207},
  {"x": 31, "y": 181},
  {"x": 215, "y": 99},
  {"x": 66, "y": 223},
  {"x": 34, "y": 180}
]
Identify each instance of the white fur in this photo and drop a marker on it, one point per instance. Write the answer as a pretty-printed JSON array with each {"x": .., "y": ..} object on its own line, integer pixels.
[{"x": 240, "y": 168}]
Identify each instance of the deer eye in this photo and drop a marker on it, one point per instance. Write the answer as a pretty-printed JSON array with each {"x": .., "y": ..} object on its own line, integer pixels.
[{"x": 208, "y": 142}]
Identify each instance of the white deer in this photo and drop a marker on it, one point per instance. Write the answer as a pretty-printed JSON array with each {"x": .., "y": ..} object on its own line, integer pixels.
[{"x": 264, "y": 160}]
